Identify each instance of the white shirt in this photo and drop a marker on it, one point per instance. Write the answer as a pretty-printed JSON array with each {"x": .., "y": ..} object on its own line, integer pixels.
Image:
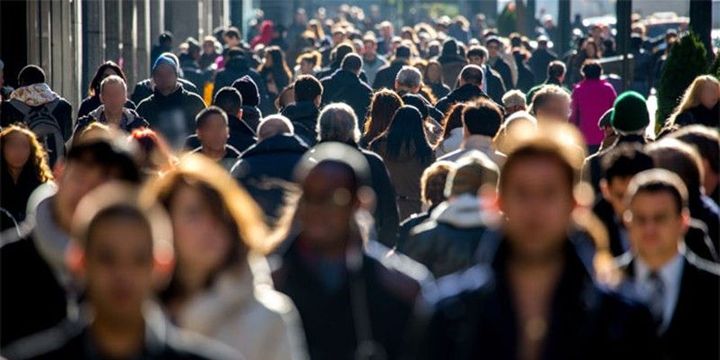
[{"x": 671, "y": 275}]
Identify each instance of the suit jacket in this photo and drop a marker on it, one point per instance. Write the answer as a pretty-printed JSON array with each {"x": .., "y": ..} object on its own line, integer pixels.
[{"x": 693, "y": 331}]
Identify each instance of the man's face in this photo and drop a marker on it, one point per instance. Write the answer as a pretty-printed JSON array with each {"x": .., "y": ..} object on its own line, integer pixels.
[
  {"x": 208, "y": 47},
  {"x": 165, "y": 78},
  {"x": 537, "y": 202},
  {"x": 613, "y": 191},
  {"x": 476, "y": 60},
  {"x": 214, "y": 133},
  {"x": 231, "y": 41},
  {"x": 119, "y": 267},
  {"x": 306, "y": 67},
  {"x": 556, "y": 108},
  {"x": 493, "y": 49},
  {"x": 326, "y": 207},
  {"x": 370, "y": 48},
  {"x": 338, "y": 37},
  {"x": 113, "y": 96},
  {"x": 654, "y": 225}
]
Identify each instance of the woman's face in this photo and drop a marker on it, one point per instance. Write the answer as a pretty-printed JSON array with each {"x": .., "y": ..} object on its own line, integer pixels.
[
  {"x": 268, "y": 59},
  {"x": 709, "y": 95},
  {"x": 16, "y": 149},
  {"x": 433, "y": 73},
  {"x": 202, "y": 241}
]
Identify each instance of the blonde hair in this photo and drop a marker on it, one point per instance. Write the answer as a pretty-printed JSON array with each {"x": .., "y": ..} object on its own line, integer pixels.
[{"x": 691, "y": 97}]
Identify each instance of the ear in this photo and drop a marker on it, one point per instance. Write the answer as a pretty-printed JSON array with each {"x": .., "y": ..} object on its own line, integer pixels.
[
  {"x": 240, "y": 113},
  {"x": 685, "y": 215},
  {"x": 163, "y": 271},
  {"x": 604, "y": 189},
  {"x": 58, "y": 172}
]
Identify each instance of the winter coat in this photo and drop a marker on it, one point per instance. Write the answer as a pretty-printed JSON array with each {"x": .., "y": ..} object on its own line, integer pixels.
[
  {"x": 241, "y": 135},
  {"x": 344, "y": 86},
  {"x": 131, "y": 120},
  {"x": 462, "y": 94},
  {"x": 539, "y": 62},
  {"x": 304, "y": 116},
  {"x": 172, "y": 115},
  {"x": 91, "y": 103},
  {"x": 439, "y": 90},
  {"x": 145, "y": 88},
  {"x": 503, "y": 69},
  {"x": 242, "y": 310},
  {"x": 228, "y": 160},
  {"x": 591, "y": 98},
  {"x": 447, "y": 241}
]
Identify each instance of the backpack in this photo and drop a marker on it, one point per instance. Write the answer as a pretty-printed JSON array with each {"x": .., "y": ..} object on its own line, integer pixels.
[{"x": 42, "y": 122}]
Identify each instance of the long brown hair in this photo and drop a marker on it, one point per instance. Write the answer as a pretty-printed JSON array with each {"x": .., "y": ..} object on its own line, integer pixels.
[
  {"x": 382, "y": 108},
  {"x": 453, "y": 119},
  {"x": 37, "y": 164},
  {"x": 230, "y": 203}
]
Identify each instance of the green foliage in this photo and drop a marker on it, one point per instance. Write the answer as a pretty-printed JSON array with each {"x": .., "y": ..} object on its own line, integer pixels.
[
  {"x": 715, "y": 67},
  {"x": 686, "y": 61}
]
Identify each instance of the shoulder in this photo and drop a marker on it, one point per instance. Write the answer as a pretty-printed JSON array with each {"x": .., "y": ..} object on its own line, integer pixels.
[
  {"x": 704, "y": 267},
  {"x": 49, "y": 343},
  {"x": 398, "y": 273},
  {"x": 457, "y": 288}
]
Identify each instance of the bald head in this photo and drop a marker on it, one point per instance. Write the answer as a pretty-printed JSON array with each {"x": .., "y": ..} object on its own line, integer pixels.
[{"x": 274, "y": 125}]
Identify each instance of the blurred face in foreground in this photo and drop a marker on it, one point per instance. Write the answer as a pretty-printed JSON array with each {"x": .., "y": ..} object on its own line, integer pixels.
[
  {"x": 327, "y": 206},
  {"x": 213, "y": 134},
  {"x": 537, "y": 201},
  {"x": 655, "y": 226},
  {"x": 556, "y": 108},
  {"x": 119, "y": 267}
]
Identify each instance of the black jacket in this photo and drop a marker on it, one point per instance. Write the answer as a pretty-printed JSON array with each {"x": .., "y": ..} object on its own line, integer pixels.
[
  {"x": 386, "y": 210},
  {"x": 440, "y": 90},
  {"x": 14, "y": 196},
  {"x": 235, "y": 69},
  {"x": 266, "y": 170},
  {"x": 503, "y": 69},
  {"x": 252, "y": 116},
  {"x": 525, "y": 77},
  {"x": 464, "y": 93},
  {"x": 228, "y": 160},
  {"x": 73, "y": 340},
  {"x": 592, "y": 172},
  {"x": 304, "y": 116},
  {"x": 345, "y": 86},
  {"x": 496, "y": 87},
  {"x": 241, "y": 135},
  {"x": 408, "y": 224},
  {"x": 31, "y": 297},
  {"x": 475, "y": 318},
  {"x": 385, "y": 77},
  {"x": 694, "y": 328},
  {"x": 381, "y": 294},
  {"x": 539, "y": 62},
  {"x": 144, "y": 89},
  {"x": 91, "y": 103},
  {"x": 448, "y": 240},
  {"x": 700, "y": 115},
  {"x": 172, "y": 115}
]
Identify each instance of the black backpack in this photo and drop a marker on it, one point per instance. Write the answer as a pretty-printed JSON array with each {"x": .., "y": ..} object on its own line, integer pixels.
[{"x": 42, "y": 122}]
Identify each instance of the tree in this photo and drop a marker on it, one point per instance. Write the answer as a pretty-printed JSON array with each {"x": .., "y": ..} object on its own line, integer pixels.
[
  {"x": 715, "y": 67},
  {"x": 686, "y": 61}
]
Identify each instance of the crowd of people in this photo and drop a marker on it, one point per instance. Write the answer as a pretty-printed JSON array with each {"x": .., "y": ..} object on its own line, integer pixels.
[{"x": 331, "y": 190}]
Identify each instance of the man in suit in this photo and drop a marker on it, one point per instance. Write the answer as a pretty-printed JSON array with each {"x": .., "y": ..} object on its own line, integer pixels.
[{"x": 681, "y": 290}]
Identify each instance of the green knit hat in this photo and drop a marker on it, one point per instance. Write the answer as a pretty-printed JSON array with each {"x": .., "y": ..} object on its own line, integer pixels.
[
  {"x": 630, "y": 113},
  {"x": 605, "y": 118}
]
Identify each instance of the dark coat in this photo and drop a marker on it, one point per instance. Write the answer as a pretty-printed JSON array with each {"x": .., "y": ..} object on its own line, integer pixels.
[
  {"x": 700, "y": 115},
  {"x": 464, "y": 93},
  {"x": 443, "y": 244},
  {"x": 496, "y": 87},
  {"x": 228, "y": 160},
  {"x": 91, "y": 103},
  {"x": 706, "y": 211},
  {"x": 173, "y": 115},
  {"x": 14, "y": 196},
  {"x": 525, "y": 77},
  {"x": 539, "y": 62},
  {"x": 440, "y": 90},
  {"x": 132, "y": 120},
  {"x": 452, "y": 65},
  {"x": 385, "y": 77},
  {"x": 73, "y": 340},
  {"x": 503, "y": 69},
  {"x": 236, "y": 69},
  {"x": 386, "y": 210},
  {"x": 241, "y": 135},
  {"x": 304, "y": 116},
  {"x": 266, "y": 170},
  {"x": 330, "y": 314},
  {"x": 475, "y": 318},
  {"x": 252, "y": 116},
  {"x": 592, "y": 172},
  {"x": 694, "y": 330},
  {"x": 144, "y": 89},
  {"x": 345, "y": 86},
  {"x": 31, "y": 298}
]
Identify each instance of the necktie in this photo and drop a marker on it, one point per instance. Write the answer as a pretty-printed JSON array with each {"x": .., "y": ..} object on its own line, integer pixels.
[{"x": 656, "y": 297}]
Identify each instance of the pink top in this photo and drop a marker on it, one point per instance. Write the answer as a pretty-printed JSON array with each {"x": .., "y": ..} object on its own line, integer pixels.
[{"x": 591, "y": 98}]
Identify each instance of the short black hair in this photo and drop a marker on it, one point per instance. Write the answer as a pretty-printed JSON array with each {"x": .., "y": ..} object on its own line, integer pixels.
[
  {"x": 483, "y": 117},
  {"x": 229, "y": 100},
  {"x": 114, "y": 156},
  {"x": 402, "y": 51},
  {"x": 624, "y": 161},
  {"x": 472, "y": 74},
  {"x": 705, "y": 140},
  {"x": 477, "y": 50},
  {"x": 591, "y": 69},
  {"x": 555, "y": 69},
  {"x": 31, "y": 74},
  {"x": 203, "y": 116},
  {"x": 232, "y": 32},
  {"x": 352, "y": 62},
  {"x": 307, "y": 88},
  {"x": 659, "y": 181},
  {"x": 165, "y": 37}
]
